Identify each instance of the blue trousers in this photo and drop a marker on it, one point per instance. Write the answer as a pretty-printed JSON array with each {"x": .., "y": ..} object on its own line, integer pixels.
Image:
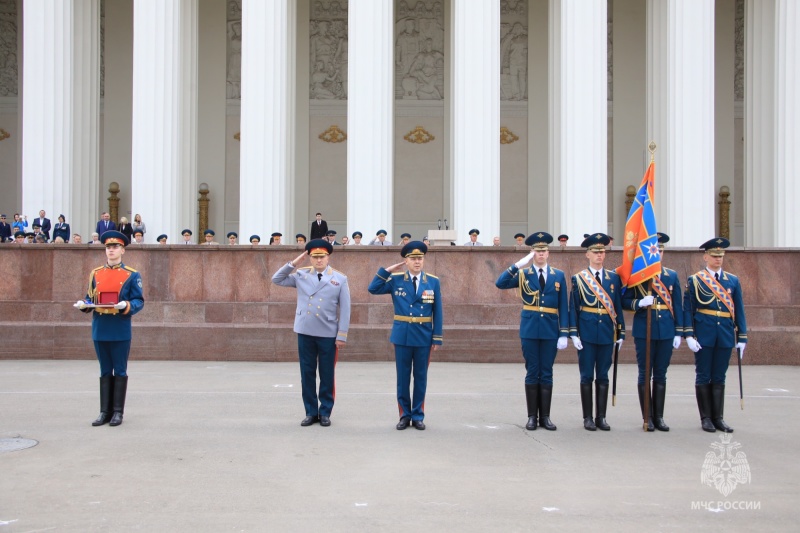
[
  {"x": 408, "y": 360},
  {"x": 711, "y": 365},
  {"x": 660, "y": 355},
  {"x": 539, "y": 354},
  {"x": 314, "y": 351},
  {"x": 113, "y": 356},
  {"x": 594, "y": 361}
]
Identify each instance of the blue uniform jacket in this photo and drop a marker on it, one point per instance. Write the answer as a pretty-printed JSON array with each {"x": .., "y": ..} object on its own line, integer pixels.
[
  {"x": 593, "y": 327},
  {"x": 323, "y": 306},
  {"x": 662, "y": 324},
  {"x": 113, "y": 324},
  {"x": 711, "y": 330},
  {"x": 538, "y": 324},
  {"x": 427, "y": 302},
  {"x": 61, "y": 230}
]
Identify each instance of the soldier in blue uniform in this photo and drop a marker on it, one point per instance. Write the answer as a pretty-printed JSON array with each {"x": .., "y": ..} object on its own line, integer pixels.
[
  {"x": 715, "y": 324},
  {"x": 321, "y": 322},
  {"x": 111, "y": 326},
  {"x": 666, "y": 330},
  {"x": 595, "y": 324},
  {"x": 417, "y": 327},
  {"x": 544, "y": 323}
]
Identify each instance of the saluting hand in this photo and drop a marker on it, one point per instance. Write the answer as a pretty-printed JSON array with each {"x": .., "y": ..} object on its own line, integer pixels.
[
  {"x": 296, "y": 260},
  {"x": 395, "y": 268}
]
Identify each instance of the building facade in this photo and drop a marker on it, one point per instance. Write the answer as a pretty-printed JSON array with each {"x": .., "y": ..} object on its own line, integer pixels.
[{"x": 502, "y": 115}]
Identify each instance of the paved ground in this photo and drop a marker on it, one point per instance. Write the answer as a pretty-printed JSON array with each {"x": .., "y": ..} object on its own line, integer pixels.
[{"x": 218, "y": 447}]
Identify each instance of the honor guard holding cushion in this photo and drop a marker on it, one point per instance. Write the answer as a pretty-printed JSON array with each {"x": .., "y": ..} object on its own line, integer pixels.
[
  {"x": 117, "y": 291},
  {"x": 666, "y": 330},
  {"x": 715, "y": 324},
  {"x": 595, "y": 324},
  {"x": 544, "y": 323},
  {"x": 321, "y": 322},
  {"x": 417, "y": 327}
]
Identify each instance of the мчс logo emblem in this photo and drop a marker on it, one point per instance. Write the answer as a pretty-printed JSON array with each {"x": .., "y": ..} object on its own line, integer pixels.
[{"x": 726, "y": 466}]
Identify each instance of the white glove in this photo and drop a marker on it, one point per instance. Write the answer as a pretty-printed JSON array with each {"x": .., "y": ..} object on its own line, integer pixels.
[
  {"x": 619, "y": 342},
  {"x": 676, "y": 342},
  {"x": 647, "y": 301},
  {"x": 121, "y": 305},
  {"x": 524, "y": 261},
  {"x": 693, "y": 345},
  {"x": 576, "y": 342},
  {"x": 80, "y": 304},
  {"x": 562, "y": 343},
  {"x": 740, "y": 347}
]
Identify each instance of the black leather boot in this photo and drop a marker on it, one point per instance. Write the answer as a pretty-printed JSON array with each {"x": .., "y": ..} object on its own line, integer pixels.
[
  {"x": 545, "y": 397},
  {"x": 703, "y": 393},
  {"x": 586, "y": 404},
  {"x": 120, "y": 388},
  {"x": 601, "y": 390},
  {"x": 659, "y": 394},
  {"x": 649, "y": 416},
  {"x": 106, "y": 394},
  {"x": 718, "y": 407},
  {"x": 532, "y": 399}
]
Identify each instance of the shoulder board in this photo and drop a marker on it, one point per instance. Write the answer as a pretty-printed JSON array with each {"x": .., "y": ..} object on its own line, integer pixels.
[
  {"x": 398, "y": 273},
  {"x": 305, "y": 268},
  {"x": 129, "y": 269},
  {"x": 670, "y": 272},
  {"x": 731, "y": 276},
  {"x": 431, "y": 275},
  {"x": 96, "y": 269},
  {"x": 339, "y": 272}
]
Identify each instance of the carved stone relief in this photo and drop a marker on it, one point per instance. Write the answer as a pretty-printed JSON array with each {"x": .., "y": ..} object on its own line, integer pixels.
[
  {"x": 8, "y": 48},
  {"x": 234, "y": 50},
  {"x": 514, "y": 50},
  {"x": 418, "y": 50},
  {"x": 738, "y": 73},
  {"x": 328, "y": 50}
]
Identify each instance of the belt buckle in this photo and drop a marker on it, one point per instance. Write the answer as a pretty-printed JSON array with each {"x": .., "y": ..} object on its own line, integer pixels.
[{"x": 717, "y": 313}]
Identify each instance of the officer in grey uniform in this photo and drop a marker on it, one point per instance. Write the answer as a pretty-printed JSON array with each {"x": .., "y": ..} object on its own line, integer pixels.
[
  {"x": 321, "y": 322},
  {"x": 473, "y": 238}
]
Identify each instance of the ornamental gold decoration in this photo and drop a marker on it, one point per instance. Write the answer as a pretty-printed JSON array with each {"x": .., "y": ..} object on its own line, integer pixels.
[
  {"x": 333, "y": 135},
  {"x": 419, "y": 136},
  {"x": 4, "y": 134},
  {"x": 507, "y": 136}
]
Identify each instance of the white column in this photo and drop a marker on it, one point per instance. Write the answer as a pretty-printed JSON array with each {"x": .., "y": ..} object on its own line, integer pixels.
[
  {"x": 84, "y": 207},
  {"x": 771, "y": 115},
  {"x": 787, "y": 130},
  {"x": 266, "y": 194},
  {"x": 370, "y": 117},
  {"x": 680, "y": 116},
  {"x": 163, "y": 166},
  {"x": 578, "y": 118},
  {"x": 46, "y": 107},
  {"x": 475, "y": 118}
]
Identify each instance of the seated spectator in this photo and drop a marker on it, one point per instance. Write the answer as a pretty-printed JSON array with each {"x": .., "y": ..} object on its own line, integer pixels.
[
  {"x": 255, "y": 240},
  {"x": 300, "y": 239},
  {"x": 345, "y": 240},
  {"x": 138, "y": 237},
  {"x": 232, "y": 236},
  {"x": 40, "y": 239},
  {"x": 187, "y": 236},
  {"x": 208, "y": 236},
  {"x": 59, "y": 240},
  {"x": 357, "y": 236},
  {"x": 95, "y": 238},
  {"x": 162, "y": 239},
  {"x": 496, "y": 241},
  {"x": 19, "y": 237},
  {"x": 276, "y": 238},
  {"x": 76, "y": 238}
]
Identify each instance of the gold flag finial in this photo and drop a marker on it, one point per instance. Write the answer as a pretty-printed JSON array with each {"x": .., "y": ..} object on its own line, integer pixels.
[{"x": 652, "y": 148}]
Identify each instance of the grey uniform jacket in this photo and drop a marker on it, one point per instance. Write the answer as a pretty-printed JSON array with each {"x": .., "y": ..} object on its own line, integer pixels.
[{"x": 323, "y": 306}]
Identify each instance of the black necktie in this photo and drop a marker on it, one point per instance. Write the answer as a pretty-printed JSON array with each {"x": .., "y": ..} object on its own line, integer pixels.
[
  {"x": 597, "y": 277},
  {"x": 319, "y": 276},
  {"x": 541, "y": 279},
  {"x": 716, "y": 276},
  {"x": 414, "y": 281}
]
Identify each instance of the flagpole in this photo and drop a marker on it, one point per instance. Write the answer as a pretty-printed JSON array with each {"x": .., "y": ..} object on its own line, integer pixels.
[{"x": 647, "y": 389}]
